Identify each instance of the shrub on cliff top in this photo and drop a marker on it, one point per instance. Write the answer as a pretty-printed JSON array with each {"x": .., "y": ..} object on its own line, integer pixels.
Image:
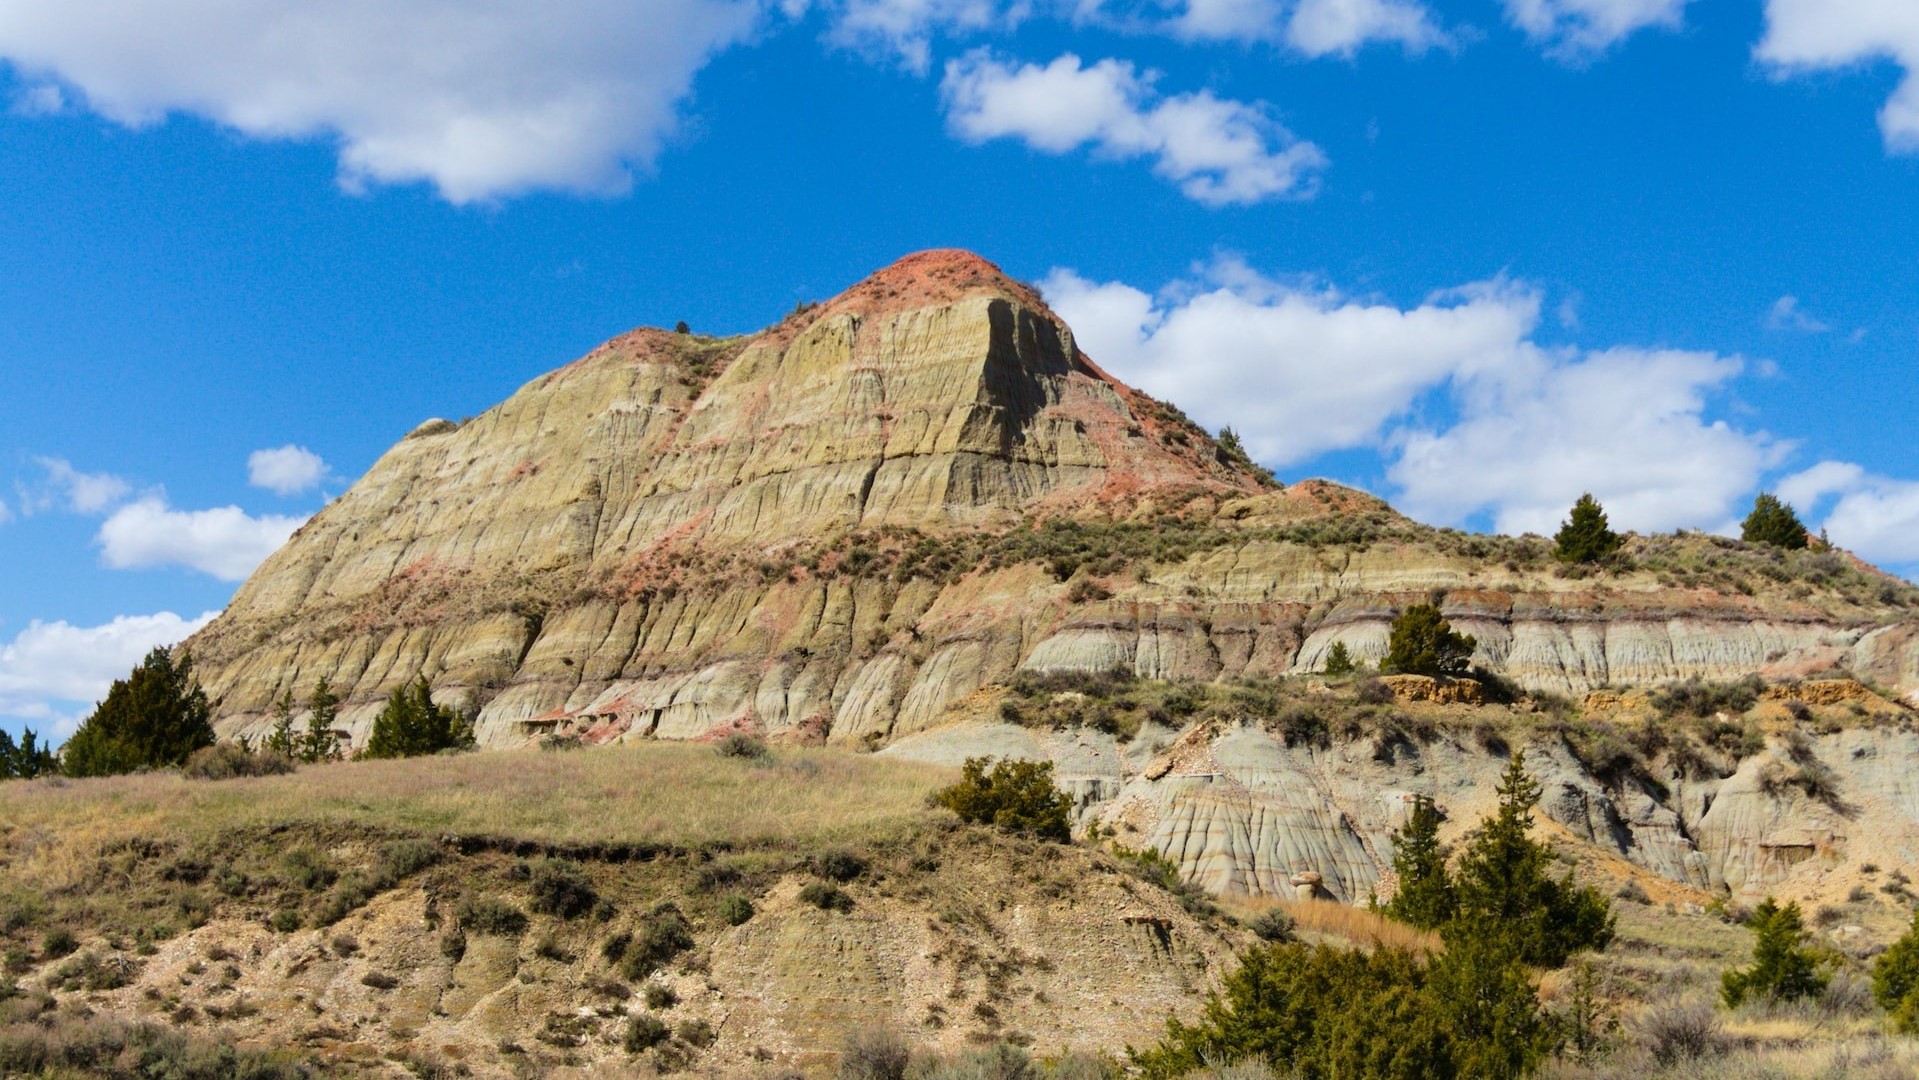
[
  {"x": 560, "y": 887},
  {"x": 1017, "y": 796}
]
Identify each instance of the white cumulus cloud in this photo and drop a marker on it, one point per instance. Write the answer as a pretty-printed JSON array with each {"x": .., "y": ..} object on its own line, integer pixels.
[
  {"x": 286, "y": 470},
  {"x": 1876, "y": 517},
  {"x": 49, "y": 668},
  {"x": 1809, "y": 35},
  {"x": 1219, "y": 152},
  {"x": 482, "y": 100},
  {"x": 1296, "y": 371},
  {"x": 225, "y": 542},
  {"x": 1300, "y": 370},
  {"x": 1340, "y": 27},
  {"x": 1628, "y": 425},
  {"x": 1576, "y": 28}
]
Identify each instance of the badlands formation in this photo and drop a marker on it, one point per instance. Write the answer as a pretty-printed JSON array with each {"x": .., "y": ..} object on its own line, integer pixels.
[{"x": 861, "y": 525}]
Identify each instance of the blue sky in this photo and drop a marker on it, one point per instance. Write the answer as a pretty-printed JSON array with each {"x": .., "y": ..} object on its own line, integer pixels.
[{"x": 1475, "y": 256}]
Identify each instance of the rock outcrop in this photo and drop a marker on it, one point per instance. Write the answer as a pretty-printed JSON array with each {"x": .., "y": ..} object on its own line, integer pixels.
[
  {"x": 845, "y": 527},
  {"x": 833, "y": 528}
]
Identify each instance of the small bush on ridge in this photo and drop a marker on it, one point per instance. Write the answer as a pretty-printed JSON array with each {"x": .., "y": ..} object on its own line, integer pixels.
[{"x": 1016, "y": 796}]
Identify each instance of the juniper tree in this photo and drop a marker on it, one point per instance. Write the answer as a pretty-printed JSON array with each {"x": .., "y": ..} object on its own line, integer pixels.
[
  {"x": 26, "y": 760},
  {"x": 1775, "y": 523},
  {"x": 1783, "y": 969},
  {"x": 151, "y": 719},
  {"x": 281, "y": 739},
  {"x": 1423, "y": 643},
  {"x": 1339, "y": 659},
  {"x": 1426, "y": 896},
  {"x": 411, "y": 724},
  {"x": 319, "y": 743},
  {"x": 1895, "y": 980},
  {"x": 1017, "y": 796},
  {"x": 1506, "y": 893},
  {"x": 1585, "y": 537}
]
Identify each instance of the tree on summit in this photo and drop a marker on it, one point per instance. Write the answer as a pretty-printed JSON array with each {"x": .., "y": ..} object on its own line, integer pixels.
[
  {"x": 1586, "y": 536},
  {"x": 1775, "y": 523}
]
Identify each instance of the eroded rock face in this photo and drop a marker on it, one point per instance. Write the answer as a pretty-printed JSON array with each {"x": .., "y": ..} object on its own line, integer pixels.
[
  {"x": 1242, "y": 810},
  {"x": 676, "y": 535}
]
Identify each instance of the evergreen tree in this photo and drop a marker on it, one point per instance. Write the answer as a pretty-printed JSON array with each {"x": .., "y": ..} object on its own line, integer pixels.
[
  {"x": 26, "y": 760},
  {"x": 1017, "y": 796},
  {"x": 319, "y": 743},
  {"x": 1327, "y": 1013},
  {"x": 411, "y": 725},
  {"x": 1339, "y": 660},
  {"x": 1482, "y": 996},
  {"x": 1895, "y": 980},
  {"x": 1426, "y": 897},
  {"x": 152, "y": 719},
  {"x": 281, "y": 739},
  {"x": 1775, "y": 523},
  {"x": 1505, "y": 892},
  {"x": 1585, "y": 537},
  {"x": 1423, "y": 643},
  {"x": 1783, "y": 969}
]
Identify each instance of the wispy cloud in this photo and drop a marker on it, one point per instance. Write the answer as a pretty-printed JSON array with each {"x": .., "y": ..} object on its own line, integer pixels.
[
  {"x": 1579, "y": 29},
  {"x": 1786, "y": 314},
  {"x": 64, "y": 486}
]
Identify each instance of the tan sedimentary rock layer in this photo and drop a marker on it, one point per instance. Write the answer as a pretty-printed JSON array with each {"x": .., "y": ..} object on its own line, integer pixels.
[
  {"x": 1242, "y": 810},
  {"x": 615, "y": 550}
]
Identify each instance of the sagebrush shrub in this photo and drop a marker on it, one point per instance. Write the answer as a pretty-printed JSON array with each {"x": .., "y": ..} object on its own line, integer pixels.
[
  {"x": 489, "y": 915},
  {"x": 227, "y": 761},
  {"x": 874, "y": 1053},
  {"x": 560, "y": 887}
]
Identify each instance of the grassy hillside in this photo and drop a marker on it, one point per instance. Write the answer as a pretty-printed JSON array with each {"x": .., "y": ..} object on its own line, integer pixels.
[{"x": 645, "y": 909}]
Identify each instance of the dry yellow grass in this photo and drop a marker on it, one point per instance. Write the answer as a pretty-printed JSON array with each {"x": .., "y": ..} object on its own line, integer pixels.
[
  {"x": 675, "y": 795},
  {"x": 1333, "y": 919}
]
